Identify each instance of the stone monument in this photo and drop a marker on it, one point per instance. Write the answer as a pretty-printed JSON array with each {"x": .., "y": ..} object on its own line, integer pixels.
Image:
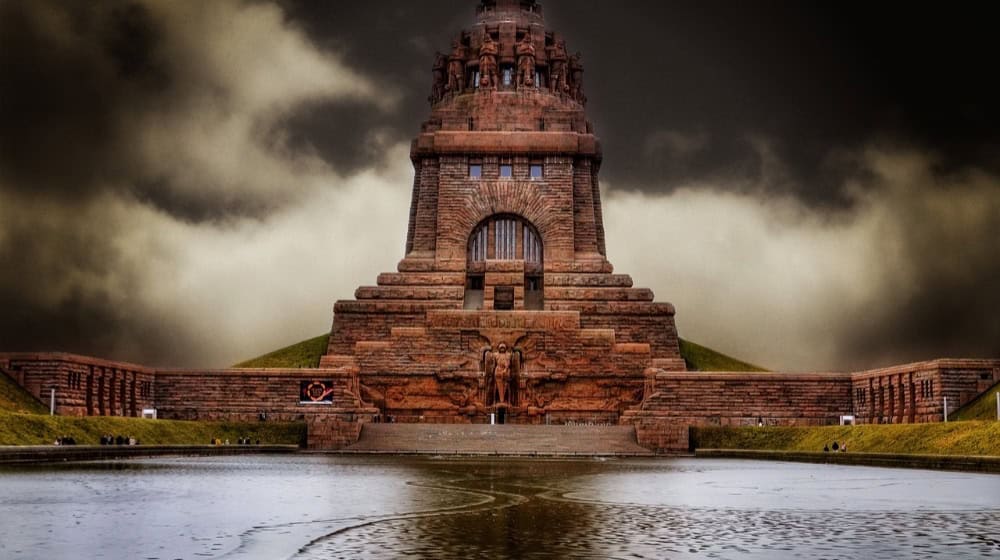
[{"x": 505, "y": 299}]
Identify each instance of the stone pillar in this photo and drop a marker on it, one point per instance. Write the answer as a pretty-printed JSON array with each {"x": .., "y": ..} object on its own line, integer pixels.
[
  {"x": 133, "y": 409},
  {"x": 90, "y": 392},
  {"x": 584, "y": 230},
  {"x": 426, "y": 211},
  {"x": 100, "y": 391},
  {"x": 112, "y": 386},
  {"x": 913, "y": 399}
]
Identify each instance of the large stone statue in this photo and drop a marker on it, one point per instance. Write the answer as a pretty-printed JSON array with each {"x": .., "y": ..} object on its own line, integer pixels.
[
  {"x": 526, "y": 62},
  {"x": 438, "y": 81},
  {"x": 576, "y": 79},
  {"x": 501, "y": 367},
  {"x": 557, "y": 67},
  {"x": 488, "y": 63},
  {"x": 456, "y": 67}
]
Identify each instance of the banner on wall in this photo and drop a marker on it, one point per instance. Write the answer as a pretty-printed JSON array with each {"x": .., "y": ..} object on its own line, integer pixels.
[{"x": 316, "y": 391}]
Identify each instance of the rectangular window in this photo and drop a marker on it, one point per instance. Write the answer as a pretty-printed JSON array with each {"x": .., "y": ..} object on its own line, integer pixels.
[
  {"x": 535, "y": 171},
  {"x": 475, "y": 170},
  {"x": 508, "y": 75},
  {"x": 506, "y": 171},
  {"x": 505, "y": 241}
]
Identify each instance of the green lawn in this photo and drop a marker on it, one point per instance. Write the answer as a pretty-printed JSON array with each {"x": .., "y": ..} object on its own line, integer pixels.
[
  {"x": 952, "y": 438},
  {"x": 41, "y": 429},
  {"x": 983, "y": 407},
  {"x": 308, "y": 352}
]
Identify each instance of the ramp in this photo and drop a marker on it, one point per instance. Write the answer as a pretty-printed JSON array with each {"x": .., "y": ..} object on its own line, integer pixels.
[{"x": 508, "y": 439}]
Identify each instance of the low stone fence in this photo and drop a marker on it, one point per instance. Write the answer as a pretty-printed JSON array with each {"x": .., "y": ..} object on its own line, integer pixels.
[
  {"x": 22, "y": 455},
  {"x": 985, "y": 464}
]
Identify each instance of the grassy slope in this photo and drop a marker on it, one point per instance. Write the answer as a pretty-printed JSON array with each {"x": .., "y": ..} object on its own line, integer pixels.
[
  {"x": 700, "y": 358},
  {"x": 952, "y": 438},
  {"x": 39, "y": 429},
  {"x": 15, "y": 399},
  {"x": 305, "y": 354},
  {"x": 308, "y": 352},
  {"x": 983, "y": 407}
]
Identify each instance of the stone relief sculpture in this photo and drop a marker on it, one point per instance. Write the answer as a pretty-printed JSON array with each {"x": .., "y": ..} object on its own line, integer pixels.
[
  {"x": 488, "y": 63},
  {"x": 438, "y": 80},
  {"x": 557, "y": 67},
  {"x": 526, "y": 62},
  {"x": 576, "y": 78},
  {"x": 456, "y": 67},
  {"x": 501, "y": 368}
]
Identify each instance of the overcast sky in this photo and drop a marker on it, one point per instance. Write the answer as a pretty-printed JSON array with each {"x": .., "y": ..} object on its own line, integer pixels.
[{"x": 814, "y": 185}]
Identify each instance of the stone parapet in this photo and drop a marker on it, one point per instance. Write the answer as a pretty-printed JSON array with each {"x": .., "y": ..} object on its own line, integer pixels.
[
  {"x": 245, "y": 394},
  {"x": 83, "y": 385}
]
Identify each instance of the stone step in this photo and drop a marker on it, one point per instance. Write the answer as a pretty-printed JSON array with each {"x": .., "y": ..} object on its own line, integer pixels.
[
  {"x": 410, "y": 292},
  {"x": 598, "y": 294},
  {"x": 507, "y": 439},
  {"x": 421, "y": 279}
]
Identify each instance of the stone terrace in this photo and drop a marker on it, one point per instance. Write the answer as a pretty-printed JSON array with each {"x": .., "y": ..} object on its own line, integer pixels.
[{"x": 508, "y": 439}]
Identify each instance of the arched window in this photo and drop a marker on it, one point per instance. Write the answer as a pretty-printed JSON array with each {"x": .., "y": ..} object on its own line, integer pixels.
[{"x": 505, "y": 238}]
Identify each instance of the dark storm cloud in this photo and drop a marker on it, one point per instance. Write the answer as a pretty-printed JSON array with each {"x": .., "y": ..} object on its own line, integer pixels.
[
  {"x": 392, "y": 41},
  {"x": 813, "y": 78},
  {"x": 134, "y": 96},
  {"x": 130, "y": 128},
  {"x": 67, "y": 74},
  {"x": 185, "y": 183}
]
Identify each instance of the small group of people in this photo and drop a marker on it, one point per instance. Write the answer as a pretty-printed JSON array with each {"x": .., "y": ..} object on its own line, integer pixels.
[
  {"x": 110, "y": 439},
  {"x": 65, "y": 440},
  {"x": 835, "y": 447},
  {"x": 239, "y": 441}
]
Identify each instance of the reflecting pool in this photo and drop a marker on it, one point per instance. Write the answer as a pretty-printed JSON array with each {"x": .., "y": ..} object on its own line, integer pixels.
[{"x": 322, "y": 506}]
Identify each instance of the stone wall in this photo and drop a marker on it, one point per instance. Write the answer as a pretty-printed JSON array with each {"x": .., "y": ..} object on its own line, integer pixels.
[
  {"x": 243, "y": 394},
  {"x": 84, "y": 386},
  {"x": 915, "y": 392},
  {"x": 673, "y": 401},
  {"x": 899, "y": 394},
  {"x": 331, "y": 431}
]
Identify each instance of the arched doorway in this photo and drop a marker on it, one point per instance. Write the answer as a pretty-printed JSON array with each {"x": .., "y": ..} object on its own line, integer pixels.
[{"x": 504, "y": 237}]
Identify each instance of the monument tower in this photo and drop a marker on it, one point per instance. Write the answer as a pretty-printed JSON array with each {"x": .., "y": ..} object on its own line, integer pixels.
[{"x": 505, "y": 301}]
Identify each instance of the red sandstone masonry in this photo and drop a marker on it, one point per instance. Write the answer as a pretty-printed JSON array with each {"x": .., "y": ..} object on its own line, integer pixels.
[
  {"x": 411, "y": 360},
  {"x": 242, "y": 394},
  {"x": 84, "y": 386},
  {"x": 915, "y": 392}
]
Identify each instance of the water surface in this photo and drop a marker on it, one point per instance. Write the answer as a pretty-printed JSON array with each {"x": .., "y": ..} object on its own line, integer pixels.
[{"x": 312, "y": 507}]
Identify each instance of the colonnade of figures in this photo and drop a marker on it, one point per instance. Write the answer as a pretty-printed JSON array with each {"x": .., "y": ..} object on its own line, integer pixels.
[{"x": 454, "y": 73}]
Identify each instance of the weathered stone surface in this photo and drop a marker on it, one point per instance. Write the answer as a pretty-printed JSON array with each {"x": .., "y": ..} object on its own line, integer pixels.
[
  {"x": 495, "y": 153},
  {"x": 83, "y": 386}
]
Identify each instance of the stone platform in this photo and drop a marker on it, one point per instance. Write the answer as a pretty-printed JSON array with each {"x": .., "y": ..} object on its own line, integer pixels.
[{"x": 508, "y": 439}]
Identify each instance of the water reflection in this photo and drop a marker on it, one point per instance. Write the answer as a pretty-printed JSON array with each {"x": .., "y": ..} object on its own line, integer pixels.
[
  {"x": 311, "y": 507},
  {"x": 695, "y": 509}
]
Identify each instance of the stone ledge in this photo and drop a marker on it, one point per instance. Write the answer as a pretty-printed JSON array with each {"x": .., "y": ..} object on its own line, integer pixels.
[
  {"x": 892, "y": 460},
  {"x": 514, "y": 320},
  {"x": 66, "y": 357},
  {"x": 23, "y": 455}
]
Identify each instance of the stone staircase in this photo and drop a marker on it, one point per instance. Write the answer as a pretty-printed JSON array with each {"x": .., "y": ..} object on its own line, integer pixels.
[{"x": 508, "y": 439}]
